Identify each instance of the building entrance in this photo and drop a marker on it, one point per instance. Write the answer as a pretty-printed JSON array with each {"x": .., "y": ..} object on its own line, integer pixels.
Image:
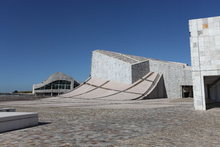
[{"x": 212, "y": 91}]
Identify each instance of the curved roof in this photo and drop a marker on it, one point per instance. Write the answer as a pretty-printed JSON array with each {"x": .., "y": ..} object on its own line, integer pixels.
[
  {"x": 54, "y": 77},
  {"x": 95, "y": 88}
]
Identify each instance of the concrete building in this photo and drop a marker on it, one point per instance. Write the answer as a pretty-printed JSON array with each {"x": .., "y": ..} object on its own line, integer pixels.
[
  {"x": 128, "y": 69},
  {"x": 120, "y": 76},
  {"x": 205, "y": 56},
  {"x": 57, "y": 83}
]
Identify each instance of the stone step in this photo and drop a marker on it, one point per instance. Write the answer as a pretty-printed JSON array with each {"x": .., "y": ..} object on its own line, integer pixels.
[{"x": 17, "y": 120}]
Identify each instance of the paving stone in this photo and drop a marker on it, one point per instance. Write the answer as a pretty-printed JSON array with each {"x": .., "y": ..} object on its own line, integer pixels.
[{"x": 176, "y": 124}]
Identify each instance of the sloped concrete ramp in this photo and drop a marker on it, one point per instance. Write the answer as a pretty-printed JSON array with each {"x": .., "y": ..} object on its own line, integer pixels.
[{"x": 149, "y": 86}]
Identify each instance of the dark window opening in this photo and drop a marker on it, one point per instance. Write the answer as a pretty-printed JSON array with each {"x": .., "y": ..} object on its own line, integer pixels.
[{"x": 187, "y": 91}]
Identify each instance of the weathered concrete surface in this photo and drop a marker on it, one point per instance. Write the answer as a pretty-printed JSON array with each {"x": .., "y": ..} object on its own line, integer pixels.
[
  {"x": 205, "y": 56},
  {"x": 128, "y": 69},
  {"x": 175, "y": 76},
  {"x": 117, "y": 67},
  {"x": 17, "y": 120},
  {"x": 79, "y": 122}
]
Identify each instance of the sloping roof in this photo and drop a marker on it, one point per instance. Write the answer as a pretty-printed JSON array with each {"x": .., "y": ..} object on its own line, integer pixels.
[
  {"x": 96, "y": 88},
  {"x": 132, "y": 59},
  {"x": 126, "y": 58}
]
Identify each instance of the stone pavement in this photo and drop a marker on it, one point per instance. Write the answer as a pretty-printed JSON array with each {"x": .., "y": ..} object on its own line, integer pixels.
[{"x": 98, "y": 123}]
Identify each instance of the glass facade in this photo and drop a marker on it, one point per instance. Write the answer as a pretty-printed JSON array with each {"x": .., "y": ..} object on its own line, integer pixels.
[{"x": 59, "y": 84}]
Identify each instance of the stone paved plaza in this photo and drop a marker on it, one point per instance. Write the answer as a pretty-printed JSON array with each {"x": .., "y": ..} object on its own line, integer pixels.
[{"x": 81, "y": 122}]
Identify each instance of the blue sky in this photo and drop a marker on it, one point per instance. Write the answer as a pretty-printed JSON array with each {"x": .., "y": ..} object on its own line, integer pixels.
[{"x": 40, "y": 37}]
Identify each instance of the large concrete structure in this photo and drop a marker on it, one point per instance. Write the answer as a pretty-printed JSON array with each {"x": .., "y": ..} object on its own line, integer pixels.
[
  {"x": 205, "y": 56},
  {"x": 57, "y": 83},
  {"x": 121, "y": 76},
  {"x": 128, "y": 69}
]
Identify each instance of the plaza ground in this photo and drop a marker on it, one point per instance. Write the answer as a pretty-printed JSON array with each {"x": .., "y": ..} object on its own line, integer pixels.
[{"x": 70, "y": 122}]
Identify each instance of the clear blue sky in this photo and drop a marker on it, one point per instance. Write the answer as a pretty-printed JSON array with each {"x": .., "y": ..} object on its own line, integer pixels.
[{"x": 40, "y": 37}]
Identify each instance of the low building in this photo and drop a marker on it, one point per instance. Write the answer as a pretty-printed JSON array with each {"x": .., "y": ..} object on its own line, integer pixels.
[
  {"x": 58, "y": 83},
  {"x": 205, "y": 56}
]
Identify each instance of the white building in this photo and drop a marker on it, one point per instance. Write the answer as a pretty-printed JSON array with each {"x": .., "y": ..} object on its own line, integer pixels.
[
  {"x": 57, "y": 83},
  {"x": 205, "y": 56},
  {"x": 177, "y": 77}
]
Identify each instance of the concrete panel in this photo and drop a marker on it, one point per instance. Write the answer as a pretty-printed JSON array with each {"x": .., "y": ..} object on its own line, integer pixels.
[
  {"x": 96, "y": 81},
  {"x": 82, "y": 89},
  {"x": 97, "y": 93},
  {"x": 175, "y": 75},
  {"x": 17, "y": 120},
  {"x": 157, "y": 89},
  {"x": 110, "y": 68},
  {"x": 139, "y": 70},
  {"x": 118, "y": 67},
  {"x": 141, "y": 88},
  {"x": 116, "y": 86}
]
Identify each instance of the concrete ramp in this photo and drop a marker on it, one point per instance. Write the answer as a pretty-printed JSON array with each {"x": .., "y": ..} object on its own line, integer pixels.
[{"x": 149, "y": 86}]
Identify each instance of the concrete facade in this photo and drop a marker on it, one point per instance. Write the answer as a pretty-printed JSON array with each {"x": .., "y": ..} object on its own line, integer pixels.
[
  {"x": 175, "y": 76},
  {"x": 128, "y": 69},
  {"x": 205, "y": 56},
  {"x": 57, "y": 83},
  {"x": 117, "y": 67}
]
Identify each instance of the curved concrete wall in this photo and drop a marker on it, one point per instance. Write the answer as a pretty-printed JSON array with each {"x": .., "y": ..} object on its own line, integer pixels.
[{"x": 110, "y": 90}]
